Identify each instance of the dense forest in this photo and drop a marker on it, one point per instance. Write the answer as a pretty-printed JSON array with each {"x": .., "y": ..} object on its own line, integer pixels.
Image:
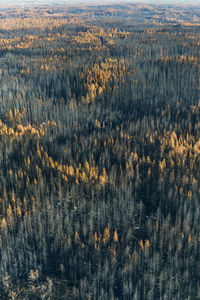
[{"x": 100, "y": 152}]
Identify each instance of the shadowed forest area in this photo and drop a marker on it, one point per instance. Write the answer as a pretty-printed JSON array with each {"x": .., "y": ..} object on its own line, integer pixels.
[{"x": 100, "y": 152}]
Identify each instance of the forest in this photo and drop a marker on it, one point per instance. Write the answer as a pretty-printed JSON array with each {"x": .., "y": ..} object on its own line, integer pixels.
[{"x": 100, "y": 152}]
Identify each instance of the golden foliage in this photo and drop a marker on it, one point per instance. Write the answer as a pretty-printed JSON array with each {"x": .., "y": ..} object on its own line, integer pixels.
[
  {"x": 102, "y": 76},
  {"x": 3, "y": 224},
  {"x": 189, "y": 238},
  {"x": 95, "y": 237},
  {"x": 77, "y": 238},
  {"x": 106, "y": 235},
  {"x": 141, "y": 244},
  {"x": 9, "y": 211},
  {"x": 115, "y": 238},
  {"x": 19, "y": 211},
  {"x": 147, "y": 244}
]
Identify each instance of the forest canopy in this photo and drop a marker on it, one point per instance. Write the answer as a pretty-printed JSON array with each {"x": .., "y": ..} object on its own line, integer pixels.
[{"x": 99, "y": 152}]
